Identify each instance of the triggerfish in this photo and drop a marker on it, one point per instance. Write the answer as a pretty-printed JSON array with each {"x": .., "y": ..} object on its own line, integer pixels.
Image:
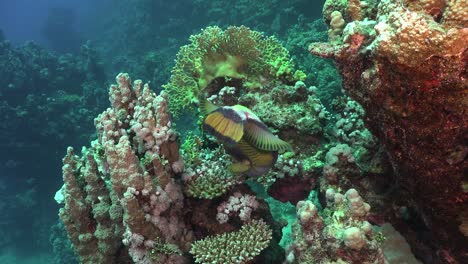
[{"x": 245, "y": 137}]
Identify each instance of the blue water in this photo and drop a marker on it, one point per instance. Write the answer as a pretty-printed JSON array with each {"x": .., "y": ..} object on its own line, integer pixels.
[{"x": 24, "y": 20}]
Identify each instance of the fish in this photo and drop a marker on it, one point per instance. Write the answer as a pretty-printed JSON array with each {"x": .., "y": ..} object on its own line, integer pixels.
[{"x": 244, "y": 136}]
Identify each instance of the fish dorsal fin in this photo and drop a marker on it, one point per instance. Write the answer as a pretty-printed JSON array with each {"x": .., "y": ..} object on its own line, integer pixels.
[
  {"x": 226, "y": 124},
  {"x": 207, "y": 107},
  {"x": 258, "y": 134}
]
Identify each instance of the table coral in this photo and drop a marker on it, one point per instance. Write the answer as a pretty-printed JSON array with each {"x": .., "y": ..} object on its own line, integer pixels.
[{"x": 405, "y": 62}]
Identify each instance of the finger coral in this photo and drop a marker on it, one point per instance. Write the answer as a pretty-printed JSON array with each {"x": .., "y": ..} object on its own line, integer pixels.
[{"x": 122, "y": 201}]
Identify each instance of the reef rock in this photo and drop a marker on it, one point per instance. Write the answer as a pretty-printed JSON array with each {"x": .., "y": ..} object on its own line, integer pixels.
[{"x": 406, "y": 63}]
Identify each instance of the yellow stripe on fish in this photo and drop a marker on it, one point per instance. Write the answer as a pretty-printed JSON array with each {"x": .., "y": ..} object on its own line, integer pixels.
[{"x": 223, "y": 124}]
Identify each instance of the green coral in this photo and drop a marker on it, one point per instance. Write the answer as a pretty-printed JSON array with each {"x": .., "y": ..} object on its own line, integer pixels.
[
  {"x": 236, "y": 52},
  {"x": 234, "y": 247},
  {"x": 311, "y": 163},
  {"x": 210, "y": 186},
  {"x": 190, "y": 148},
  {"x": 209, "y": 177},
  {"x": 162, "y": 248}
]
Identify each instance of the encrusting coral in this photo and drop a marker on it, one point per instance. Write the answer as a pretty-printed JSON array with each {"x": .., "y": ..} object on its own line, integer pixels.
[
  {"x": 338, "y": 234},
  {"x": 405, "y": 62}
]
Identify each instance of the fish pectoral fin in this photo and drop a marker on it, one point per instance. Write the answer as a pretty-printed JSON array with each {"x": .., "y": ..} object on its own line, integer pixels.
[{"x": 239, "y": 167}]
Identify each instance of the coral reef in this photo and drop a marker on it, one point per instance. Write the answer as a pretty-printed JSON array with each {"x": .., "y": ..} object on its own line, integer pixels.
[
  {"x": 43, "y": 88},
  {"x": 339, "y": 234},
  {"x": 296, "y": 22},
  {"x": 321, "y": 73},
  {"x": 46, "y": 101},
  {"x": 143, "y": 193},
  {"x": 405, "y": 62},
  {"x": 125, "y": 195},
  {"x": 270, "y": 16},
  {"x": 62, "y": 247}
]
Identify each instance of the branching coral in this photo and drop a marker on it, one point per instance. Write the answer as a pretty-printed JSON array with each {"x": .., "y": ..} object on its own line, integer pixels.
[
  {"x": 235, "y": 247},
  {"x": 237, "y": 204},
  {"x": 47, "y": 98},
  {"x": 209, "y": 178}
]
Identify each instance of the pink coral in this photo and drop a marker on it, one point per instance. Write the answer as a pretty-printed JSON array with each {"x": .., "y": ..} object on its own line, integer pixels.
[
  {"x": 130, "y": 195},
  {"x": 237, "y": 204}
]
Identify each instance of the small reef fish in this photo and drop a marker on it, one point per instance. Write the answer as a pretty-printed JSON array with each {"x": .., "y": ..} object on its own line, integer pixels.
[{"x": 245, "y": 137}]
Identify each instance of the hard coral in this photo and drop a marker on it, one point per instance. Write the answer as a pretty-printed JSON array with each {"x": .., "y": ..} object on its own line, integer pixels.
[
  {"x": 409, "y": 73},
  {"x": 288, "y": 107},
  {"x": 209, "y": 178},
  {"x": 234, "y": 247},
  {"x": 121, "y": 198},
  {"x": 339, "y": 234}
]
